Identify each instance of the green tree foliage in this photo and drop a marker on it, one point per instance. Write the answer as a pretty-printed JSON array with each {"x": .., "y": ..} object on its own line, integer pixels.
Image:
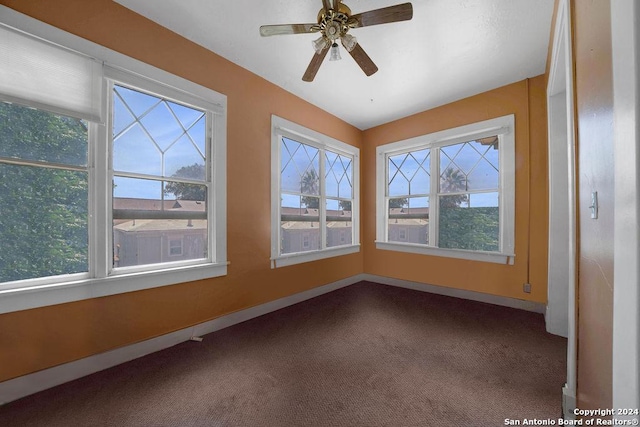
[
  {"x": 398, "y": 203},
  {"x": 460, "y": 227},
  {"x": 469, "y": 228},
  {"x": 184, "y": 191},
  {"x": 44, "y": 212},
  {"x": 345, "y": 205}
]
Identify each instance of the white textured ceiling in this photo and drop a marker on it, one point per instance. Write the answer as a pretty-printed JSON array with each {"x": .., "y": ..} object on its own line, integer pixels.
[{"x": 450, "y": 50}]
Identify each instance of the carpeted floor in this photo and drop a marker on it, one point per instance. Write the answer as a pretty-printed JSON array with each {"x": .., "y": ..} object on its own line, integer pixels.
[{"x": 365, "y": 355}]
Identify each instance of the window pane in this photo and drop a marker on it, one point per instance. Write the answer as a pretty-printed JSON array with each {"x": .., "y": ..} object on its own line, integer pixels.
[
  {"x": 299, "y": 224},
  {"x": 162, "y": 126},
  {"x": 44, "y": 222},
  {"x": 131, "y": 146},
  {"x": 469, "y": 165},
  {"x": 299, "y": 168},
  {"x": 149, "y": 241},
  {"x": 150, "y": 217},
  {"x": 470, "y": 221},
  {"x": 338, "y": 179},
  {"x": 339, "y": 223},
  {"x": 170, "y": 137},
  {"x": 136, "y": 188},
  {"x": 30, "y": 134},
  {"x": 409, "y": 220},
  {"x": 409, "y": 173}
]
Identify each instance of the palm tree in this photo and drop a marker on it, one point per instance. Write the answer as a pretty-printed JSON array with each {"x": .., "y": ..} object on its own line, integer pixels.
[
  {"x": 453, "y": 181},
  {"x": 310, "y": 184}
]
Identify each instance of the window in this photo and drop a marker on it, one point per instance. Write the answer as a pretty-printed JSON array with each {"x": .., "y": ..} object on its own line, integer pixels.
[
  {"x": 44, "y": 189},
  {"x": 450, "y": 193},
  {"x": 314, "y": 195},
  {"x": 175, "y": 247},
  {"x": 167, "y": 193},
  {"x": 106, "y": 176}
]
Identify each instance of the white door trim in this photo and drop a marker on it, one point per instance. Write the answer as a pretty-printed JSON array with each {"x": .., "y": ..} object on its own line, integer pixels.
[
  {"x": 561, "y": 308},
  {"x": 625, "y": 37}
]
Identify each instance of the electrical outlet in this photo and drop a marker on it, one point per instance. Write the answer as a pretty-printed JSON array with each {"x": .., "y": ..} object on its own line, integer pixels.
[{"x": 526, "y": 288}]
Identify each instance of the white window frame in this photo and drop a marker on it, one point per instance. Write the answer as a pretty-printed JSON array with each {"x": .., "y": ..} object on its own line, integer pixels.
[
  {"x": 504, "y": 127},
  {"x": 284, "y": 128},
  {"x": 102, "y": 279}
]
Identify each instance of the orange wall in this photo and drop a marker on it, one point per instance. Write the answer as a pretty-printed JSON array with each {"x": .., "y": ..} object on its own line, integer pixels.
[
  {"x": 36, "y": 339},
  {"x": 594, "y": 112},
  {"x": 525, "y": 99}
]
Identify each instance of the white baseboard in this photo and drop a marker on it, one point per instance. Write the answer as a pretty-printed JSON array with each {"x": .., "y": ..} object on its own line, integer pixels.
[
  {"x": 535, "y": 307},
  {"x": 250, "y": 313},
  {"x": 42, "y": 380},
  {"x": 568, "y": 403}
]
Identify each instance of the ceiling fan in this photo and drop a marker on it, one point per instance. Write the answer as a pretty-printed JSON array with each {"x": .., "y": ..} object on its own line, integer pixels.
[{"x": 334, "y": 22}]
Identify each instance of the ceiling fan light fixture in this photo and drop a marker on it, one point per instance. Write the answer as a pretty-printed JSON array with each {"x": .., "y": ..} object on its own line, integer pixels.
[
  {"x": 335, "y": 52},
  {"x": 320, "y": 44},
  {"x": 349, "y": 42}
]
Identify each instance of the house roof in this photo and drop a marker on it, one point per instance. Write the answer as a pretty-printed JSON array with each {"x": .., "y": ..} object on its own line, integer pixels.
[
  {"x": 314, "y": 213},
  {"x": 409, "y": 211},
  {"x": 156, "y": 205},
  {"x": 153, "y": 205},
  {"x": 177, "y": 225},
  {"x": 408, "y": 222}
]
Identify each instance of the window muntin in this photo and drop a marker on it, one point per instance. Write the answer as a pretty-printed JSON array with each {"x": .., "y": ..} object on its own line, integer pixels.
[
  {"x": 449, "y": 193},
  {"x": 339, "y": 192},
  {"x": 44, "y": 226},
  {"x": 165, "y": 195},
  {"x": 467, "y": 189},
  {"x": 408, "y": 187},
  {"x": 302, "y": 192},
  {"x": 315, "y": 195}
]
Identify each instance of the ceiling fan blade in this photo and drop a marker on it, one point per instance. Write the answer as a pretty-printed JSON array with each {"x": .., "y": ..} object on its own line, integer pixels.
[
  {"x": 400, "y": 12},
  {"x": 336, "y": 5},
  {"x": 326, "y": 4},
  {"x": 363, "y": 60},
  {"x": 276, "y": 30},
  {"x": 314, "y": 65}
]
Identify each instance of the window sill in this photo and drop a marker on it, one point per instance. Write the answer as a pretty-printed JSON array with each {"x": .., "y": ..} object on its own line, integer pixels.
[
  {"x": 300, "y": 257},
  {"x": 41, "y": 294},
  {"x": 493, "y": 257}
]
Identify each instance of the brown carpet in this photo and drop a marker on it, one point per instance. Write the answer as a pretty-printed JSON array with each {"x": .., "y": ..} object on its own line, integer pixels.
[{"x": 365, "y": 355}]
